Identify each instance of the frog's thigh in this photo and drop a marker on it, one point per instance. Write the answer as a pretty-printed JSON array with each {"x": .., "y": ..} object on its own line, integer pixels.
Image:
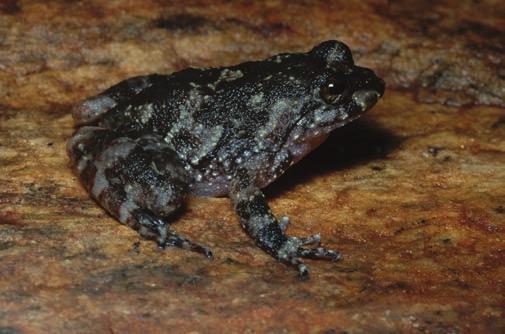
[
  {"x": 126, "y": 174},
  {"x": 92, "y": 107},
  {"x": 141, "y": 174}
]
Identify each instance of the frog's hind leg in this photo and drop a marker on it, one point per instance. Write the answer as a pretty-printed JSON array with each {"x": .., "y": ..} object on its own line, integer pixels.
[
  {"x": 88, "y": 110},
  {"x": 141, "y": 182}
]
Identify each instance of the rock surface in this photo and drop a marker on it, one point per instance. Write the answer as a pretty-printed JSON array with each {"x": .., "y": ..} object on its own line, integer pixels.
[{"x": 413, "y": 195}]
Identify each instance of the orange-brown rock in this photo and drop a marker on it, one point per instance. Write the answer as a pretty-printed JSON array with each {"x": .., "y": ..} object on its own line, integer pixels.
[{"x": 413, "y": 195}]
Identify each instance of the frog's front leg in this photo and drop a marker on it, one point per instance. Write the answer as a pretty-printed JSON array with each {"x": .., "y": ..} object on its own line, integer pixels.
[
  {"x": 259, "y": 222},
  {"x": 139, "y": 181}
]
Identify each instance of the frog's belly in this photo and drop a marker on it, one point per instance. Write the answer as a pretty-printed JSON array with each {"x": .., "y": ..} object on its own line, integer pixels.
[
  {"x": 298, "y": 151},
  {"x": 218, "y": 186}
]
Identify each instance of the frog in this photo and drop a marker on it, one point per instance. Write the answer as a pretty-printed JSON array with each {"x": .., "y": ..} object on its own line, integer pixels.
[{"x": 145, "y": 144}]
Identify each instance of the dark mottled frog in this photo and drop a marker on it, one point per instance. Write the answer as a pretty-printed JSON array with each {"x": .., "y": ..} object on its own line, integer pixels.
[{"x": 146, "y": 143}]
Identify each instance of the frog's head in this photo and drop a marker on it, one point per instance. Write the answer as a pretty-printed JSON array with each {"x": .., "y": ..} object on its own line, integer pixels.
[
  {"x": 350, "y": 89},
  {"x": 337, "y": 92},
  {"x": 343, "y": 90}
]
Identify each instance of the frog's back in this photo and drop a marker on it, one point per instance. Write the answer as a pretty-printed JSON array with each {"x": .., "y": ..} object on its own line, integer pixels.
[{"x": 223, "y": 95}]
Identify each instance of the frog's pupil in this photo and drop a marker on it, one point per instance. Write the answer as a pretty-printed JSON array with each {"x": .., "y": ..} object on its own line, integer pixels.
[
  {"x": 333, "y": 90},
  {"x": 336, "y": 88}
]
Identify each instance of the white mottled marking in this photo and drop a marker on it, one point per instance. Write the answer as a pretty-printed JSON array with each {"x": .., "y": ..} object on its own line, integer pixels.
[
  {"x": 256, "y": 99},
  {"x": 85, "y": 132},
  {"x": 120, "y": 149},
  {"x": 83, "y": 162},
  {"x": 125, "y": 210},
  {"x": 147, "y": 113}
]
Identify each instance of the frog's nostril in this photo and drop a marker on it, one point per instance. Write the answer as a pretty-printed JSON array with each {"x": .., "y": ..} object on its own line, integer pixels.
[
  {"x": 365, "y": 99},
  {"x": 365, "y": 79}
]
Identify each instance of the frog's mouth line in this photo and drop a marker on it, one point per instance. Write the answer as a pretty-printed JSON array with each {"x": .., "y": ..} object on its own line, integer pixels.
[{"x": 363, "y": 100}]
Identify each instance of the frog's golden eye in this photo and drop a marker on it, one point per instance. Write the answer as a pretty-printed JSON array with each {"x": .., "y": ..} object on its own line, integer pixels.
[{"x": 333, "y": 89}]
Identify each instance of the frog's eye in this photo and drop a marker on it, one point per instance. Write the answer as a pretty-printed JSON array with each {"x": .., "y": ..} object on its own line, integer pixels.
[{"x": 333, "y": 89}]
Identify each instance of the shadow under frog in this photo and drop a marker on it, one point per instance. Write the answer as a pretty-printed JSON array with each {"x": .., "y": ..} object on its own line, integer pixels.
[
  {"x": 357, "y": 143},
  {"x": 146, "y": 143}
]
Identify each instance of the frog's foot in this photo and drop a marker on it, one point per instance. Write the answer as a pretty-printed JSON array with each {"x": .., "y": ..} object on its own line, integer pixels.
[
  {"x": 291, "y": 251},
  {"x": 152, "y": 227}
]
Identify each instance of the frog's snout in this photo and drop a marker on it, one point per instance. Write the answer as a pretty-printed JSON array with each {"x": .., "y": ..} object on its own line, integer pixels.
[
  {"x": 380, "y": 86},
  {"x": 369, "y": 89},
  {"x": 365, "y": 99}
]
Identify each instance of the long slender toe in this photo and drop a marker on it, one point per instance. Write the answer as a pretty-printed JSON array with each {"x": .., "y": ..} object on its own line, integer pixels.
[
  {"x": 167, "y": 237},
  {"x": 319, "y": 253}
]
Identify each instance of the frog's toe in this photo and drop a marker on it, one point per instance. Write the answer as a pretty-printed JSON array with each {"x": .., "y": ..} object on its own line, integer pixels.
[
  {"x": 283, "y": 223},
  {"x": 292, "y": 251},
  {"x": 165, "y": 237},
  {"x": 303, "y": 270},
  {"x": 175, "y": 240},
  {"x": 319, "y": 253},
  {"x": 313, "y": 239}
]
